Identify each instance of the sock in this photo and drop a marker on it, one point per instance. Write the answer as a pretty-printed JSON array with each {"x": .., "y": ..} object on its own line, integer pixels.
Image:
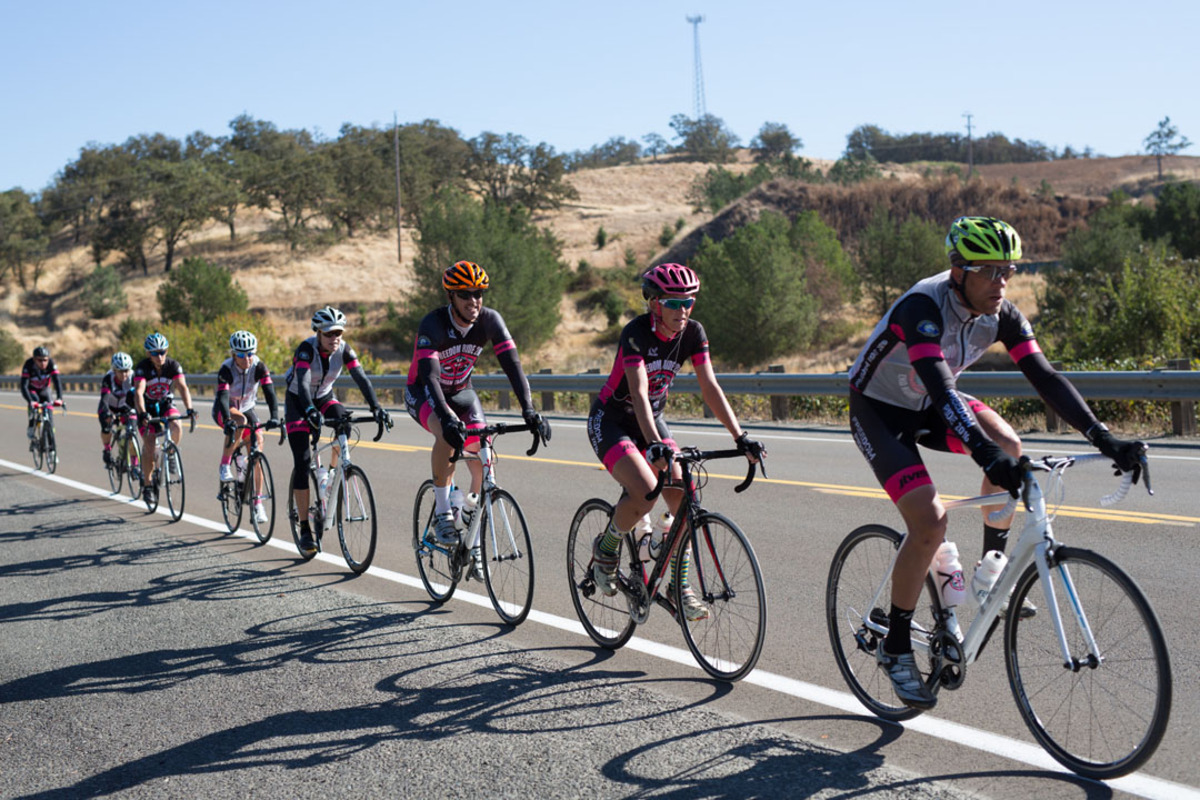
[
  {"x": 899, "y": 638},
  {"x": 610, "y": 545},
  {"x": 441, "y": 499},
  {"x": 226, "y": 460},
  {"x": 994, "y": 539}
]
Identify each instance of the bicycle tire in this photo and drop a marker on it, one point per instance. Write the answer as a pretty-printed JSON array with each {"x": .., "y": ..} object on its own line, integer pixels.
[
  {"x": 113, "y": 468},
  {"x": 858, "y": 566},
  {"x": 50, "y": 447},
  {"x": 1102, "y": 719},
  {"x": 606, "y": 619},
  {"x": 133, "y": 466},
  {"x": 260, "y": 491},
  {"x": 37, "y": 447},
  {"x": 356, "y": 521},
  {"x": 725, "y": 575},
  {"x": 173, "y": 483},
  {"x": 149, "y": 486},
  {"x": 312, "y": 513},
  {"x": 230, "y": 495},
  {"x": 507, "y": 553},
  {"x": 435, "y": 562}
]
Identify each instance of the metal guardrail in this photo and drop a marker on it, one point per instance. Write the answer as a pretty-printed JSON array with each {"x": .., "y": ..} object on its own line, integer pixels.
[{"x": 1177, "y": 386}]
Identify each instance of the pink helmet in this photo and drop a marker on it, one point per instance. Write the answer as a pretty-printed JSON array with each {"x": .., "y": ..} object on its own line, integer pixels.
[{"x": 669, "y": 279}]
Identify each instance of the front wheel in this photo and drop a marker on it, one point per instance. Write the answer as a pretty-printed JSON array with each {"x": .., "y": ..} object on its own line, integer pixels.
[
  {"x": 260, "y": 494},
  {"x": 115, "y": 457},
  {"x": 859, "y": 590},
  {"x": 230, "y": 495},
  {"x": 724, "y": 574},
  {"x": 173, "y": 480},
  {"x": 1103, "y": 714},
  {"x": 507, "y": 553},
  {"x": 356, "y": 522},
  {"x": 132, "y": 455},
  {"x": 435, "y": 562},
  {"x": 49, "y": 448},
  {"x": 316, "y": 521},
  {"x": 606, "y": 619},
  {"x": 37, "y": 446}
]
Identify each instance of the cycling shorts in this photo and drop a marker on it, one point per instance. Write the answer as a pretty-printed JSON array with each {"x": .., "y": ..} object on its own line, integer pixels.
[
  {"x": 251, "y": 419},
  {"x": 615, "y": 434},
  {"x": 465, "y": 405}
]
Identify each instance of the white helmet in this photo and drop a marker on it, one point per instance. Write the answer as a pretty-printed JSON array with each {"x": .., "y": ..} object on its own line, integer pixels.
[
  {"x": 328, "y": 319},
  {"x": 243, "y": 342},
  {"x": 122, "y": 360}
]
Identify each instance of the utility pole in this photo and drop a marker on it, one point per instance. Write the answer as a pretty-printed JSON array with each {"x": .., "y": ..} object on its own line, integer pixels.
[
  {"x": 970, "y": 147},
  {"x": 399, "y": 217},
  {"x": 698, "y": 89}
]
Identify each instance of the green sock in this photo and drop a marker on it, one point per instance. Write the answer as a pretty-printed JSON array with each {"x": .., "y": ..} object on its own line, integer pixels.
[{"x": 610, "y": 545}]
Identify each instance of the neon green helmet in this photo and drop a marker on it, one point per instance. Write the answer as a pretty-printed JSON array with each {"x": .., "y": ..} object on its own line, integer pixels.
[{"x": 983, "y": 239}]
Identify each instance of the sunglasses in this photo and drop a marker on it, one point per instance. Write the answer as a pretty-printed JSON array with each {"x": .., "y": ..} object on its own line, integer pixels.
[
  {"x": 994, "y": 273},
  {"x": 41, "y": 358},
  {"x": 158, "y": 352},
  {"x": 463, "y": 294},
  {"x": 243, "y": 355},
  {"x": 677, "y": 303},
  {"x": 333, "y": 334}
]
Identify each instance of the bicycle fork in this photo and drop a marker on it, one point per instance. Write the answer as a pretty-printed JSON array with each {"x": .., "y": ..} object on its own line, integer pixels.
[{"x": 1046, "y": 561}]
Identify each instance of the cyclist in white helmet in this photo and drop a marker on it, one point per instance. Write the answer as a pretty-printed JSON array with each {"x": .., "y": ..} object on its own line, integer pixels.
[
  {"x": 238, "y": 380},
  {"x": 155, "y": 379},
  {"x": 116, "y": 399}
]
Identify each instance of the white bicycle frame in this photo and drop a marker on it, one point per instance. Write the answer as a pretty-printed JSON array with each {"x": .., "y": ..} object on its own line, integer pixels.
[
  {"x": 336, "y": 473},
  {"x": 1035, "y": 542},
  {"x": 486, "y": 456}
]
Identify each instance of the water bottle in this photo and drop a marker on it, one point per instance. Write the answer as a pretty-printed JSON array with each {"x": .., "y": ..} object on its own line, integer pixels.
[
  {"x": 470, "y": 503},
  {"x": 651, "y": 542},
  {"x": 986, "y": 573},
  {"x": 947, "y": 573},
  {"x": 241, "y": 466},
  {"x": 322, "y": 482},
  {"x": 643, "y": 530},
  {"x": 456, "y": 504}
]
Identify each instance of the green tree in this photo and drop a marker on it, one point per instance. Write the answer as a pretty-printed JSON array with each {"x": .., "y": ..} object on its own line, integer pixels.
[
  {"x": 432, "y": 158},
  {"x": 773, "y": 142},
  {"x": 705, "y": 139},
  {"x": 506, "y": 170},
  {"x": 23, "y": 237},
  {"x": 754, "y": 300},
  {"x": 102, "y": 294},
  {"x": 523, "y": 262},
  {"x": 12, "y": 354},
  {"x": 656, "y": 145},
  {"x": 1165, "y": 141},
  {"x": 1177, "y": 217},
  {"x": 201, "y": 346},
  {"x": 363, "y": 176},
  {"x": 848, "y": 170},
  {"x": 200, "y": 291},
  {"x": 718, "y": 187},
  {"x": 893, "y": 255},
  {"x": 828, "y": 270}
]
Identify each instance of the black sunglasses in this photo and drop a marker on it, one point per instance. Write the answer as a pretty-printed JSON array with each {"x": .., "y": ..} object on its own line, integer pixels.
[
  {"x": 158, "y": 352},
  {"x": 463, "y": 294}
]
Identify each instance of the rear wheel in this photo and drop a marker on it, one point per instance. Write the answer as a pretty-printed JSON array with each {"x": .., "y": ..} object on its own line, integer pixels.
[
  {"x": 173, "y": 480},
  {"x": 853, "y": 596},
  {"x": 116, "y": 456},
  {"x": 606, "y": 619},
  {"x": 260, "y": 493},
  {"x": 356, "y": 522},
  {"x": 312, "y": 513},
  {"x": 132, "y": 453},
  {"x": 507, "y": 557},
  {"x": 230, "y": 495},
  {"x": 435, "y": 562},
  {"x": 49, "y": 448},
  {"x": 37, "y": 446}
]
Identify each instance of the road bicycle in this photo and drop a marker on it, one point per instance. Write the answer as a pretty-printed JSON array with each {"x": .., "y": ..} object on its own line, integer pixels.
[
  {"x": 43, "y": 445},
  {"x": 724, "y": 574},
  {"x": 354, "y": 511},
  {"x": 253, "y": 484},
  {"x": 1089, "y": 671},
  {"x": 168, "y": 468},
  {"x": 125, "y": 456},
  {"x": 496, "y": 526}
]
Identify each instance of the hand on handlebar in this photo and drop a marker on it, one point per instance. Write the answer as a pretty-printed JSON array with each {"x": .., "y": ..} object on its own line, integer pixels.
[
  {"x": 1008, "y": 473},
  {"x": 454, "y": 433},
  {"x": 382, "y": 417},
  {"x": 659, "y": 451},
  {"x": 538, "y": 424},
  {"x": 1127, "y": 456}
]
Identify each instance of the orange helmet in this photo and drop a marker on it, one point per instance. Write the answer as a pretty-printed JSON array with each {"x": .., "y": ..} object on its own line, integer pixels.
[{"x": 465, "y": 275}]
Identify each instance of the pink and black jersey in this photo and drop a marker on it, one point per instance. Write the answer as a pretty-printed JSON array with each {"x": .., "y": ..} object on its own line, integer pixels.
[
  {"x": 35, "y": 380},
  {"x": 115, "y": 398},
  {"x": 457, "y": 349},
  {"x": 663, "y": 358},
  {"x": 158, "y": 382}
]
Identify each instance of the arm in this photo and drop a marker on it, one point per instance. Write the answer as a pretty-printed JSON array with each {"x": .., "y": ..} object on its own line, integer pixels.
[
  {"x": 714, "y": 398},
  {"x": 221, "y": 401},
  {"x": 360, "y": 378},
  {"x": 272, "y": 400},
  {"x": 510, "y": 362},
  {"x": 23, "y": 384},
  {"x": 54, "y": 376},
  {"x": 639, "y": 398},
  {"x": 185, "y": 394},
  {"x": 429, "y": 371}
]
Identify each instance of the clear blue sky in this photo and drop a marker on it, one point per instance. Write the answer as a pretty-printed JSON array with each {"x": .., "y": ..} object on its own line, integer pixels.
[{"x": 1099, "y": 74}]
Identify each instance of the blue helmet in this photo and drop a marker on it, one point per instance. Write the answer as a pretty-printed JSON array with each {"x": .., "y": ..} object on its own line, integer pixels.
[{"x": 155, "y": 341}]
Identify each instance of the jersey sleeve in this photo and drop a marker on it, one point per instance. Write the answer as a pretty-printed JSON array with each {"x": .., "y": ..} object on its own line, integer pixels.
[{"x": 698, "y": 343}]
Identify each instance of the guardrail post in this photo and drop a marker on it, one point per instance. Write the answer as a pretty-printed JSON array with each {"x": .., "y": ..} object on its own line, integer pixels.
[
  {"x": 592, "y": 396},
  {"x": 1053, "y": 423},
  {"x": 547, "y": 397},
  {"x": 503, "y": 401},
  {"x": 1183, "y": 412},
  {"x": 779, "y": 402}
]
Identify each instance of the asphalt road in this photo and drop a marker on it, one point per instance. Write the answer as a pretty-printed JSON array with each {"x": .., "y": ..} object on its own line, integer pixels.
[{"x": 239, "y": 684}]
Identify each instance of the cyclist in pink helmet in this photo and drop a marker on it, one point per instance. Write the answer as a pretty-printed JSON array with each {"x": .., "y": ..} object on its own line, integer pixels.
[{"x": 626, "y": 426}]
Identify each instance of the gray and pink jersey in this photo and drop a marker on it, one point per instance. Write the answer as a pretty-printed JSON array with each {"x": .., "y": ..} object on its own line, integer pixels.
[
  {"x": 242, "y": 384},
  {"x": 321, "y": 371},
  {"x": 457, "y": 349},
  {"x": 662, "y": 355}
]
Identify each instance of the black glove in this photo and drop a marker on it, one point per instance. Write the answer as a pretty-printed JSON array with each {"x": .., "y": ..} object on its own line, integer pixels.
[
  {"x": 382, "y": 416},
  {"x": 142, "y": 416},
  {"x": 314, "y": 418},
  {"x": 1008, "y": 473},
  {"x": 658, "y": 450},
  {"x": 748, "y": 446},
  {"x": 272, "y": 423},
  {"x": 537, "y": 424},
  {"x": 454, "y": 432},
  {"x": 1126, "y": 455},
  {"x": 230, "y": 429}
]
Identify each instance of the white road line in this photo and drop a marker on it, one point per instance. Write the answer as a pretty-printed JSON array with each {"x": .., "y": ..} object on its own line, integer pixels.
[{"x": 1137, "y": 784}]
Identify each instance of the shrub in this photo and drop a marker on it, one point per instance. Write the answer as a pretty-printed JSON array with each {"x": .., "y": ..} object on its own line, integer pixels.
[
  {"x": 667, "y": 235},
  {"x": 200, "y": 348},
  {"x": 12, "y": 355},
  {"x": 200, "y": 292},
  {"x": 601, "y": 238},
  {"x": 102, "y": 294}
]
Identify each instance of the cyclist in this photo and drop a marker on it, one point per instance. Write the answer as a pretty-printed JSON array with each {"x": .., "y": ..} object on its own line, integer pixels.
[
  {"x": 155, "y": 379},
  {"x": 37, "y": 375},
  {"x": 309, "y": 400},
  {"x": 439, "y": 395},
  {"x": 903, "y": 389},
  {"x": 626, "y": 426},
  {"x": 116, "y": 398},
  {"x": 238, "y": 380}
]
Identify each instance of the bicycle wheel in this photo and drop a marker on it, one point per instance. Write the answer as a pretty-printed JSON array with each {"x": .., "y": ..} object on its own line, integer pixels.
[
  {"x": 150, "y": 486},
  {"x": 37, "y": 446},
  {"x": 133, "y": 466},
  {"x": 260, "y": 491},
  {"x": 725, "y": 575},
  {"x": 1101, "y": 718},
  {"x": 49, "y": 447},
  {"x": 859, "y": 565},
  {"x": 230, "y": 497},
  {"x": 173, "y": 480},
  {"x": 507, "y": 557},
  {"x": 356, "y": 522},
  {"x": 606, "y": 619},
  {"x": 116, "y": 457},
  {"x": 312, "y": 513},
  {"x": 435, "y": 562}
]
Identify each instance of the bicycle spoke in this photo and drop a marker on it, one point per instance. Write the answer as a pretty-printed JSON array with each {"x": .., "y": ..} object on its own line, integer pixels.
[
  {"x": 356, "y": 521},
  {"x": 508, "y": 557}
]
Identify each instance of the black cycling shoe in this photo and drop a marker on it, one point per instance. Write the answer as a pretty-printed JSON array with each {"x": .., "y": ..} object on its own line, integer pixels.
[{"x": 906, "y": 679}]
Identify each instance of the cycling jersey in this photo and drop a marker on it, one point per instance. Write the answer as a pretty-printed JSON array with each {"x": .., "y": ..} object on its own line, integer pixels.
[
  {"x": 241, "y": 385},
  {"x": 158, "y": 382},
  {"x": 662, "y": 355},
  {"x": 35, "y": 381},
  {"x": 115, "y": 398},
  {"x": 313, "y": 373}
]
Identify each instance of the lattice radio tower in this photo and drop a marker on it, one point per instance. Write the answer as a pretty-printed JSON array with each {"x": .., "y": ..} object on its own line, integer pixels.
[{"x": 698, "y": 91}]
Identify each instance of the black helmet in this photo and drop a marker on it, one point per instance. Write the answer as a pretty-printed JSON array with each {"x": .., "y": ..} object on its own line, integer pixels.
[{"x": 41, "y": 352}]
